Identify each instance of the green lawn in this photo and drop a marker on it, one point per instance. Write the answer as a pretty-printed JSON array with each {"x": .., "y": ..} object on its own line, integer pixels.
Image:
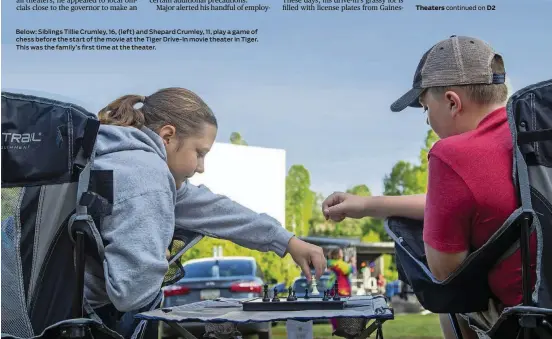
[{"x": 405, "y": 326}]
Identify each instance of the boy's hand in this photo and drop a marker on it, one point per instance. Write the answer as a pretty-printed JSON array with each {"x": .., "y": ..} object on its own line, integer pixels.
[
  {"x": 339, "y": 206},
  {"x": 167, "y": 254},
  {"x": 305, "y": 255}
]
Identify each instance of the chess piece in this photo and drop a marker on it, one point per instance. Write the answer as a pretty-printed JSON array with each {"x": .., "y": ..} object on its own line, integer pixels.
[
  {"x": 275, "y": 299},
  {"x": 314, "y": 289},
  {"x": 294, "y": 296},
  {"x": 266, "y": 298},
  {"x": 336, "y": 292},
  {"x": 290, "y": 296},
  {"x": 307, "y": 293},
  {"x": 325, "y": 297}
]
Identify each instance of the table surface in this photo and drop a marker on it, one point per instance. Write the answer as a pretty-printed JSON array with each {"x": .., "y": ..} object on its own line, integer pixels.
[{"x": 230, "y": 310}]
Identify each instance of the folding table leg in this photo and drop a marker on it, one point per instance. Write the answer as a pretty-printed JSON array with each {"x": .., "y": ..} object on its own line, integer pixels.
[
  {"x": 181, "y": 330},
  {"x": 376, "y": 325},
  {"x": 299, "y": 329}
]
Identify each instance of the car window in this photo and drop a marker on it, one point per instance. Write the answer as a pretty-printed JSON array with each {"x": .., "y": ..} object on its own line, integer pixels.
[{"x": 226, "y": 268}]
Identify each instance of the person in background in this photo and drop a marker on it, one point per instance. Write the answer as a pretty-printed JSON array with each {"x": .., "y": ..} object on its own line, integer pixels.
[
  {"x": 341, "y": 270},
  {"x": 381, "y": 283}
]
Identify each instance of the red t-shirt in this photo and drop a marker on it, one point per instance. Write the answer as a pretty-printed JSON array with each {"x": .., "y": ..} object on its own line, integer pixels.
[{"x": 470, "y": 195}]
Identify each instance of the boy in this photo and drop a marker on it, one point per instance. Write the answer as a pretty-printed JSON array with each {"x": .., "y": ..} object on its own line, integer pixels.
[{"x": 460, "y": 83}]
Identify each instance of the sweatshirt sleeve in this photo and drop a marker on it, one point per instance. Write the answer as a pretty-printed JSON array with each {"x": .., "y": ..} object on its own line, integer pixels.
[
  {"x": 137, "y": 234},
  {"x": 200, "y": 210}
]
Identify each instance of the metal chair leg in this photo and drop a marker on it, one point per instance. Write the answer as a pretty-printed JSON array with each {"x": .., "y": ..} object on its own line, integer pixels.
[{"x": 455, "y": 326}]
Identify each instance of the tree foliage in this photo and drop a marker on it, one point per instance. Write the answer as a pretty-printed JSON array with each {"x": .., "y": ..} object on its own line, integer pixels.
[
  {"x": 407, "y": 178},
  {"x": 299, "y": 200},
  {"x": 236, "y": 139}
]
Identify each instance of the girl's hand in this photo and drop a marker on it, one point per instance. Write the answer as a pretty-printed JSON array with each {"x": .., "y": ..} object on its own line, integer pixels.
[
  {"x": 167, "y": 254},
  {"x": 305, "y": 255}
]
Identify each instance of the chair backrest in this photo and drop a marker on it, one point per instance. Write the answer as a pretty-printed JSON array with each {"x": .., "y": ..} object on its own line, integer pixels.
[
  {"x": 47, "y": 149},
  {"x": 530, "y": 117},
  {"x": 50, "y": 195}
]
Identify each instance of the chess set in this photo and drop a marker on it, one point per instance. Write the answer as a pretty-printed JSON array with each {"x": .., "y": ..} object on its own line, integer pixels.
[{"x": 330, "y": 300}]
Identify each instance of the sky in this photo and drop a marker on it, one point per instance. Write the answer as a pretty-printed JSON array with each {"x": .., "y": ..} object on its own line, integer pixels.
[{"x": 317, "y": 84}]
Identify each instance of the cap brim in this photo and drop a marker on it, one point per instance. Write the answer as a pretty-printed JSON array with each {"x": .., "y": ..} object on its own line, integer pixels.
[{"x": 409, "y": 99}]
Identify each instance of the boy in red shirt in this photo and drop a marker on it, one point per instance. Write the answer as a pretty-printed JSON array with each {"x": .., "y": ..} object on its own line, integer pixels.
[{"x": 460, "y": 83}]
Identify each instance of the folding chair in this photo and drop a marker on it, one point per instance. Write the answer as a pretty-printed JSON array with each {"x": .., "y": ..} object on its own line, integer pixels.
[
  {"x": 530, "y": 119},
  {"x": 52, "y": 204}
]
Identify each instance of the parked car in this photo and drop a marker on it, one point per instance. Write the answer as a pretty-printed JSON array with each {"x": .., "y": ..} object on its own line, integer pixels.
[
  {"x": 211, "y": 278},
  {"x": 280, "y": 287}
]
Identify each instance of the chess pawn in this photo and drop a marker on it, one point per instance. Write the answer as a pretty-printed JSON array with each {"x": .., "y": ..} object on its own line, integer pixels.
[
  {"x": 275, "y": 299},
  {"x": 290, "y": 295},
  {"x": 326, "y": 295},
  {"x": 314, "y": 289}
]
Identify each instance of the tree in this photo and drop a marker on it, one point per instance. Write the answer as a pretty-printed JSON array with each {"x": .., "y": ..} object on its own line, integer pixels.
[
  {"x": 236, "y": 139},
  {"x": 407, "y": 178},
  {"x": 299, "y": 200}
]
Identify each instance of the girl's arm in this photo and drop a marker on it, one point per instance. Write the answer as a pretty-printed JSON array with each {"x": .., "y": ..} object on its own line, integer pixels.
[{"x": 200, "y": 210}]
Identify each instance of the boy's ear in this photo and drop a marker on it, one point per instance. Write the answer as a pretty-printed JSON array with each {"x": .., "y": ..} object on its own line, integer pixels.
[{"x": 454, "y": 102}]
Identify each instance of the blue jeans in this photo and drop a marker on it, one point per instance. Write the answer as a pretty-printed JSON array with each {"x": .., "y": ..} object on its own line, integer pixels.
[{"x": 125, "y": 323}]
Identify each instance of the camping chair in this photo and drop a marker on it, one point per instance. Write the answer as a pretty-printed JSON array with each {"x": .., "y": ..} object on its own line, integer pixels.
[
  {"x": 530, "y": 119},
  {"x": 52, "y": 205}
]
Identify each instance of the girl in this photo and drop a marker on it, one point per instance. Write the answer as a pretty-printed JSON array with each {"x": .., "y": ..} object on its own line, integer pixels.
[
  {"x": 340, "y": 273},
  {"x": 153, "y": 150}
]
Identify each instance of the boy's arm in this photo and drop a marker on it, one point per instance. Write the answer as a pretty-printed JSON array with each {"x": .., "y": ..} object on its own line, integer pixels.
[
  {"x": 339, "y": 206},
  {"x": 407, "y": 206},
  {"x": 447, "y": 223}
]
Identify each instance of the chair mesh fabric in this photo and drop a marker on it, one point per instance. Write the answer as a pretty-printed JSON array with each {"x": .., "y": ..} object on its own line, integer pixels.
[{"x": 15, "y": 319}]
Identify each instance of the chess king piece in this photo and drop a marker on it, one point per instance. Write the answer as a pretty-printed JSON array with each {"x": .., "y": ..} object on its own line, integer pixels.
[
  {"x": 265, "y": 293},
  {"x": 313, "y": 285},
  {"x": 336, "y": 292}
]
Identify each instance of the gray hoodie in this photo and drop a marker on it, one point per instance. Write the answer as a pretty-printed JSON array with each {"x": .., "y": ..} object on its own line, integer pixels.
[{"x": 147, "y": 207}]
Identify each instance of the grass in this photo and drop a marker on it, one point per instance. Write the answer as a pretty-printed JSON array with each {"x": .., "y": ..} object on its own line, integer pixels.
[{"x": 405, "y": 326}]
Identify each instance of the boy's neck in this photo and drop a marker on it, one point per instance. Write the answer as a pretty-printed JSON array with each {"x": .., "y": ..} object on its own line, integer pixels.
[{"x": 475, "y": 114}]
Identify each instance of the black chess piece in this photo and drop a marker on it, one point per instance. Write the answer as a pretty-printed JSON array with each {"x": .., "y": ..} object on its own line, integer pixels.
[
  {"x": 294, "y": 296},
  {"x": 336, "y": 292},
  {"x": 275, "y": 299},
  {"x": 290, "y": 296},
  {"x": 266, "y": 298},
  {"x": 326, "y": 296},
  {"x": 307, "y": 293}
]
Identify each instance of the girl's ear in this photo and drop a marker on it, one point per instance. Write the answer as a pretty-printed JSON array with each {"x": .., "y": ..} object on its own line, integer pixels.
[{"x": 167, "y": 133}]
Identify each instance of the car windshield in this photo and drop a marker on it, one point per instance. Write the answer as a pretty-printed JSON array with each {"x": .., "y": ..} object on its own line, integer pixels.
[{"x": 226, "y": 268}]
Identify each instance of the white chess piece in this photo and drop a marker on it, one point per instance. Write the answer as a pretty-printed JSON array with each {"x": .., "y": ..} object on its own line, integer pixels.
[{"x": 313, "y": 285}]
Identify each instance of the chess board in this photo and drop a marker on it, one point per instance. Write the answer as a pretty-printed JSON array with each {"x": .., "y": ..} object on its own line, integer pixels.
[{"x": 301, "y": 304}]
